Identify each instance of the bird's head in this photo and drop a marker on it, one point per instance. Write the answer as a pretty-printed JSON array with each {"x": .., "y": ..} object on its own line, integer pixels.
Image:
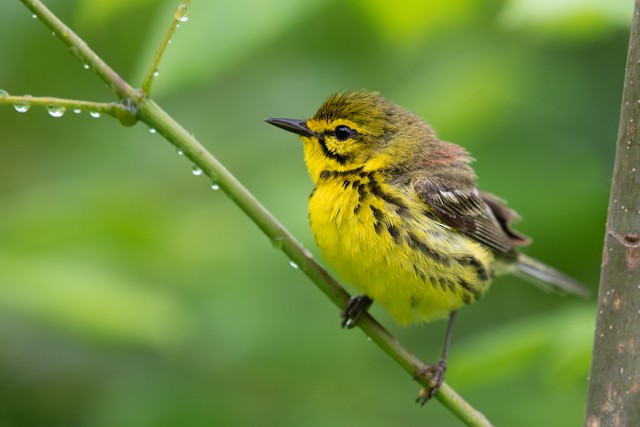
[{"x": 360, "y": 130}]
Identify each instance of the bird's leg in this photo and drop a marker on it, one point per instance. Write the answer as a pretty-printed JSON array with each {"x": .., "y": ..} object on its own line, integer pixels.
[
  {"x": 435, "y": 372},
  {"x": 356, "y": 307}
]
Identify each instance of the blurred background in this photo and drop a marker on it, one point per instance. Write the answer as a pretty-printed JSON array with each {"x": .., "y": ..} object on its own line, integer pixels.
[{"x": 132, "y": 294}]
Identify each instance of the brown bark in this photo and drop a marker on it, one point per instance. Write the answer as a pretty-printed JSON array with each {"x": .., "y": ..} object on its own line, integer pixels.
[{"x": 614, "y": 385}]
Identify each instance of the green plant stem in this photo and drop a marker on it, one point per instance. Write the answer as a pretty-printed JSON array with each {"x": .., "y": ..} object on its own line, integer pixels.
[
  {"x": 155, "y": 117},
  {"x": 69, "y": 104},
  {"x": 82, "y": 50},
  {"x": 153, "y": 69}
]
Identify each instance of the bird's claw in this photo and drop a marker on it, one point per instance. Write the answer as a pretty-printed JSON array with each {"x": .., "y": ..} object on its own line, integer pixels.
[
  {"x": 435, "y": 374},
  {"x": 356, "y": 307}
]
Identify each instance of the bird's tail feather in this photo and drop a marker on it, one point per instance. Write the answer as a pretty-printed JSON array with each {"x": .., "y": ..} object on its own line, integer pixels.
[{"x": 547, "y": 277}]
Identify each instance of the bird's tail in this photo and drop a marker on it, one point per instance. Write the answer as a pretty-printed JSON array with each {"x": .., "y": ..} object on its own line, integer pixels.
[{"x": 547, "y": 277}]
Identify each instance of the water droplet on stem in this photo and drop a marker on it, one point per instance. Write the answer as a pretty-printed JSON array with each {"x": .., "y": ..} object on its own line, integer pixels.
[
  {"x": 22, "y": 106},
  {"x": 182, "y": 13},
  {"x": 56, "y": 110},
  {"x": 277, "y": 242},
  {"x": 196, "y": 170}
]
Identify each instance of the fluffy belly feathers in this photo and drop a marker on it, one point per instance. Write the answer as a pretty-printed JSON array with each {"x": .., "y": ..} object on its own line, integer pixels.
[{"x": 417, "y": 268}]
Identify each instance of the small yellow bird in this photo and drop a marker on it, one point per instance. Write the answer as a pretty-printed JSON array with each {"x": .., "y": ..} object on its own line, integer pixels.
[{"x": 396, "y": 212}]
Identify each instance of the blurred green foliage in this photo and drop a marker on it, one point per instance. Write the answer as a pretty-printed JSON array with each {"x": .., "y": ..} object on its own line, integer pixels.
[{"x": 132, "y": 294}]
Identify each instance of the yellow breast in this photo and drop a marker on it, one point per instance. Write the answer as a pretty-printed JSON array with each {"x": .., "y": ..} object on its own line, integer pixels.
[{"x": 383, "y": 241}]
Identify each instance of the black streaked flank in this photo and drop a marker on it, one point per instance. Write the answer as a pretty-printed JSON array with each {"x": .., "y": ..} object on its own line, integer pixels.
[
  {"x": 362, "y": 191},
  {"x": 473, "y": 262},
  {"x": 417, "y": 244},
  {"x": 395, "y": 233},
  {"x": 377, "y": 213}
]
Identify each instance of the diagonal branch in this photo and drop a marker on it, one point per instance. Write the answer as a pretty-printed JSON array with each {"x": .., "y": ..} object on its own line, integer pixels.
[{"x": 155, "y": 117}]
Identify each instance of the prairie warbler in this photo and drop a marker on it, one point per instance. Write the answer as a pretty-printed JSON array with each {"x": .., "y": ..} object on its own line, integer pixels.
[{"x": 396, "y": 212}]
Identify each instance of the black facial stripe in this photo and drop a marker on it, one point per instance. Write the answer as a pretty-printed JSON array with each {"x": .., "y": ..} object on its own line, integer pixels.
[{"x": 335, "y": 156}]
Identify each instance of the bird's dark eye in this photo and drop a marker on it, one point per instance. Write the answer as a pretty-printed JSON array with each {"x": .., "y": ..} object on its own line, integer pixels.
[{"x": 343, "y": 133}]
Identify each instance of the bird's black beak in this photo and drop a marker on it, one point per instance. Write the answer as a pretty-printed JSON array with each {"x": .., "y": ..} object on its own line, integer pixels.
[{"x": 293, "y": 125}]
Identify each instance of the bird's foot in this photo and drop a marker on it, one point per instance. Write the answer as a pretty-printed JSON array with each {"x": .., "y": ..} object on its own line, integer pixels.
[
  {"x": 435, "y": 374},
  {"x": 354, "y": 310}
]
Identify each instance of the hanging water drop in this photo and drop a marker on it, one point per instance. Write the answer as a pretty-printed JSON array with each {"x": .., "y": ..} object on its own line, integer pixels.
[
  {"x": 34, "y": 16},
  {"x": 73, "y": 50},
  {"x": 56, "y": 110},
  {"x": 152, "y": 130},
  {"x": 277, "y": 242},
  {"x": 86, "y": 66},
  {"x": 22, "y": 106},
  {"x": 179, "y": 151},
  {"x": 94, "y": 114},
  {"x": 196, "y": 170},
  {"x": 3, "y": 93},
  {"x": 182, "y": 13},
  {"x": 156, "y": 73},
  {"x": 215, "y": 187},
  {"x": 77, "y": 110},
  {"x": 293, "y": 264}
]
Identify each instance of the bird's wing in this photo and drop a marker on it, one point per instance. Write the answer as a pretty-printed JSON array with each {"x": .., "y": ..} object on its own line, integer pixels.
[{"x": 479, "y": 215}]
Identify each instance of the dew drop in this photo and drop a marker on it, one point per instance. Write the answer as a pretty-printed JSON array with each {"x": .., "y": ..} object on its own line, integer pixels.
[
  {"x": 179, "y": 151},
  {"x": 152, "y": 130},
  {"x": 86, "y": 66},
  {"x": 182, "y": 13},
  {"x": 156, "y": 73},
  {"x": 77, "y": 110},
  {"x": 56, "y": 110},
  {"x": 293, "y": 264},
  {"x": 196, "y": 170},
  {"x": 34, "y": 16},
  {"x": 277, "y": 242},
  {"x": 215, "y": 187},
  {"x": 22, "y": 106},
  {"x": 3, "y": 93},
  {"x": 94, "y": 114}
]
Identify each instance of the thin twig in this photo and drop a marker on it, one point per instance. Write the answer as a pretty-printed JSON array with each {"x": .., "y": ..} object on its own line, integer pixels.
[
  {"x": 80, "y": 49},
  {"x": 24, "y": 102},
  {"x": 181, "y": 14},
  {"x": 154, "y": 116}
]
